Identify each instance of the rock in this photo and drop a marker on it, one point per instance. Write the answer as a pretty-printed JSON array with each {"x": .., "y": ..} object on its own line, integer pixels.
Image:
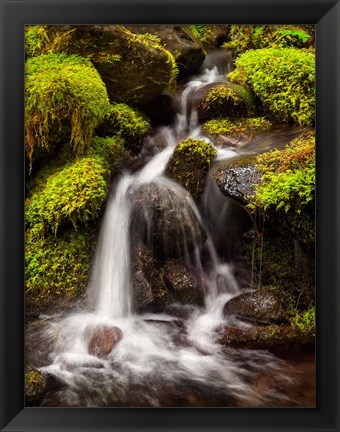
[
  {"x": 103, "y": 339},
  {"x": 179, "y": 41},
  {"x": 265, "y": 305},
  {"x": 163, "y": 218},
  {"x": 41, "y": 337},
  {"x": 35, "y": 385},
  {"x": 237, "y": 178},
  {"x": 135, "y": 68},
  {"x": 161, "y": 110},
  {"x": 182, "y": 283},
  {"x": 150, "y": 292}
]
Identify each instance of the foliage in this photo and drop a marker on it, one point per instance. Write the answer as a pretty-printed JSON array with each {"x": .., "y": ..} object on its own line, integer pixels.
[
  {"x": 202, "y": 33},
  {"x": 34, "y": 385},
  {"x": 122, "y": 120},
  {"x": 248, "y": 37},
  {"x": 283, "y": 79},
  {"x": 190, "y": 163},
  {"x": 36, "y": 40},
  {"x": 237, "y": 127},
  {"x": 62, "y": 90},
  {"x": 304, "y": 321},
  {"x": 57, "y": 267}
]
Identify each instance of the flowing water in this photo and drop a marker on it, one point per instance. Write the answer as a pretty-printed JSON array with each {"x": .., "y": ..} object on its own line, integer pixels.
[{"x": 161, "y": 360}]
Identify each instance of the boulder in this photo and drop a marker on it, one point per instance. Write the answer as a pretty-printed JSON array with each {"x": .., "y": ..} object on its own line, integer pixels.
[
  {"x": 182, "y": 283},
  {"x": 164, "y": 219},
  {"x": 35, "y": 385},
  {"x": 150, "y": 292},
  {"x": 103, "y": 339},
  {"x": 265, "y": 305},
  {"x": 188, "y": 54}
]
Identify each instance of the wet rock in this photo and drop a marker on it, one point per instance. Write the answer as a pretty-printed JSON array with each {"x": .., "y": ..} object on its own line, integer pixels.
[
  {"x": 164, "y": 220},
  {"x": 161, "y": 110},
  {"x": 181, "y": 311},
  {"x": 237, "y": 178},
  {"x": 188, "y": 53},
  {"x": 103, "y": 340},
  {"x": 41, "y": 337},
  {"x": 264, "y": 305},
  {"x": 134, "y": 68},
  {"x": 150, "y": 292},
  {"x": 182, "y": 283},
  {"x": 35, "y": 385}
]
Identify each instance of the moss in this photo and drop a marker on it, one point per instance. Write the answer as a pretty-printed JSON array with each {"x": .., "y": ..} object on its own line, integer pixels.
[
  {"x": 34, "y": 386},
  {"x": 202, "y": 33},
  {"x": 57, "y": 267},
  {"x": 62, "y": 91},
  {"x": 247, "y": 37},
  {"x": 235, "y": 128},
  {"x": 226, "y": 100},
  {"x": 190, "y": 164},
  {"x": 36, "y": 40},
  {"x": 126, "y": 122},
  {"x": 283, "y": 79},
  {"x": 304, "y": 321}
]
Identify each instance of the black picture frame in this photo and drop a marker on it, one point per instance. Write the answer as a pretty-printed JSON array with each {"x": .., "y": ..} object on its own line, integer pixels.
[{"x": 14, "y": 15}]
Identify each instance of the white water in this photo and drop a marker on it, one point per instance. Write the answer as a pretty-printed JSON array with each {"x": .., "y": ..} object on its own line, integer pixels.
[{"x": 157, "y": 356}]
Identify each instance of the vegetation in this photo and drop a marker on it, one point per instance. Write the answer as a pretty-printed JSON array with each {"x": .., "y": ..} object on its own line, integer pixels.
[
  {"x": 34, "y": 385},
  {"x": 190, "y": 163},
  {"x": 62, "y": 91},
  {"x": 202, "y": 33},
  {"x": 304, "y": 321},
  {"x": 283, "y": 80},
  {"x": 249, "y": 37},
  {"x": 237, "y": 127}
]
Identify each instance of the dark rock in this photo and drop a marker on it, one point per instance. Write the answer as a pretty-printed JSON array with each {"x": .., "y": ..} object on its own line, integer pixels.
[
  {"x": 103, "y": 339},
  {"x": 264, "y": 305},
  {"x": 237, "y": 178},
  {"x": 35, "y": 385},
  {"x": 161, "y": 110},
  {"x": 150, "y": 292},
  {"x": 182, "y": 283},
  {"x": 41, "y": 337},
  {"x": 165, "y": 221},
  {"x": 188, "y": 53},
  {"x": 181, "y": 311}
]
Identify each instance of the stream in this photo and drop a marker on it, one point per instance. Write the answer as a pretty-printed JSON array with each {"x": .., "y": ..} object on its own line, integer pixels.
[{"x": 166, "y": 359}]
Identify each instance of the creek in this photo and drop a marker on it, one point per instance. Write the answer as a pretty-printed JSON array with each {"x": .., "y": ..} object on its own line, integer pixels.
[{"x": 166, "y": 359}]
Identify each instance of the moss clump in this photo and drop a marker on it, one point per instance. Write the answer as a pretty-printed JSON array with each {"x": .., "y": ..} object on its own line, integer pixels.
[
  {"x": 36, "y": 40},
  {"x": 248, "y": 37},
  {"x": 190, "y": 164},
  {"x": 34, "y": 386},
  {"x": 202, "y": 33},
  {"x": 226, "y": 100},
  {"x": 62, "y": 92},
  {"x": 57, "y": 268},
  {"x": 287, "y": 188},
  {"x": 235, "y": 128},
  {"x": 126, "y": 122},
  {"x": 304, "y": 321},
  {"x": 283, "y": 79}
]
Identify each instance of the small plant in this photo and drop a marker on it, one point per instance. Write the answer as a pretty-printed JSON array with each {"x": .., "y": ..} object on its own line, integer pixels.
[
  {"x": 304, "y": 321},
  {"x": 202, "y": 33},
  {"x": 237, "y": 127}
]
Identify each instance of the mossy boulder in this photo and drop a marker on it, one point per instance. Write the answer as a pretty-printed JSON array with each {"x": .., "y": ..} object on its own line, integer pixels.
[
  {"x": 65, "y": 100},
  {"x": 237, "y": 132},
  {"x": 57, "y": 268},
  {"x": 209, "y": 35},
  {"x": 130, "y": 124},
  {"x": 164, "y": 219},
  {"x": 135, "y": 68},
  {"x": 181, "y": 42},
  {"x": 35, "y": 384},
  {"x": 282, "y": 79},
  {"x": 150, "y": 292},
  {"x": 223, "y": 100},
  {"x": 182, "y": 283},
  {"x": 190, "y": 164}
]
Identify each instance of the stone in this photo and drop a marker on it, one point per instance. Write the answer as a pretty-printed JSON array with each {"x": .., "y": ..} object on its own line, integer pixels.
[{"x": 103, "y": 339}]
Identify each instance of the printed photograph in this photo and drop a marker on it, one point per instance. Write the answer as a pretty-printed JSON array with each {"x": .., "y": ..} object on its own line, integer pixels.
[{"x": 170, "y": 216}]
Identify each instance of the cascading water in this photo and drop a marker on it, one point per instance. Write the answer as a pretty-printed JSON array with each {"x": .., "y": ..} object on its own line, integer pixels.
[{"x": 160, "y": 361}]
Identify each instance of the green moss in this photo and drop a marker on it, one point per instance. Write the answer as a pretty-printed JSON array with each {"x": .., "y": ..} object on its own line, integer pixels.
[
  {"x": 62, "y": 91},
  {"x": 129, "y": 123},
  {"x": 235, "y": 128},
  {"x": 36, "y": 40},
  {"x": 57, "y": 267},
  {"x": 34, "y": 385},
  {"x": 229, "y": 100},
  {"x": 283, "y": 79},
  {"x": 304, "y": 322},
  {"x": 202, "y": 33},
  {"x": 190, "y": 164},
  {"x": 247, "y": 37}
]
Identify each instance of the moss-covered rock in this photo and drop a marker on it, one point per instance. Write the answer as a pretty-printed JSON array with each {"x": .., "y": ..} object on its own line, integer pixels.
[
  {"x": 209, "y": 35},
  {"x": 283, "y": 80},
  {"x": 183, "y": 285},
  {"x": 135, "y": 68},
  {"x": 126, "y": 122},
  {"x": 65, "y": 100},
  {"x": 190, "y": 164},
  {"x": 224, "y": 100},
  {"x": 35, "y": 385},
  {"x": 57, "y": 268}
]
